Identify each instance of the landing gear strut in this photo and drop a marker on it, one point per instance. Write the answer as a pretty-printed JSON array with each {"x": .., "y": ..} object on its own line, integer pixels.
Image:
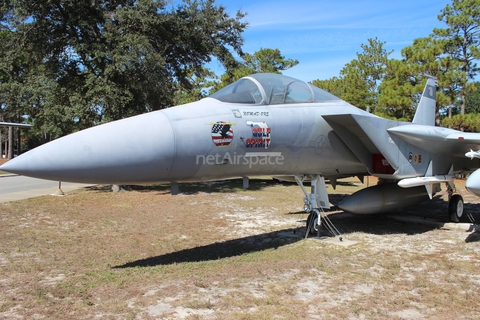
[{"x": 314, "y": 203}]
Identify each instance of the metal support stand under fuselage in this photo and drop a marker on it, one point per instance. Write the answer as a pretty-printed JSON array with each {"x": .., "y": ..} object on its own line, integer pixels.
[
  {"x": 314, "y": 203},
  {"x": 59, "y": 191}
]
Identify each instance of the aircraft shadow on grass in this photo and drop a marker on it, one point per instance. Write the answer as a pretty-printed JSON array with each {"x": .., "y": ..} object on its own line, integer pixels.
[
  {"x": 346, "y": 223},
  {"x": 223, "y": 186},
  {"x": 377, "y": 224},
  {"x": 436, "y": 209},
  {"x": 219, "y": 250},
  {"x": 271, "y": 240},
  {"x": 473, "y": 237},
  {"x": 385, "y": 224}
]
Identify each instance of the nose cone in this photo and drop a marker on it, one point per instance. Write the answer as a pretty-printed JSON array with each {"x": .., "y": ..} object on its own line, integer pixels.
[{"x": 134, "y": 150}]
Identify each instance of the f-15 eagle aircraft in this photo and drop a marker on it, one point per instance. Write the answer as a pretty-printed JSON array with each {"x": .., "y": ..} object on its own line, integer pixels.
[{"x": 269, "y": 124}]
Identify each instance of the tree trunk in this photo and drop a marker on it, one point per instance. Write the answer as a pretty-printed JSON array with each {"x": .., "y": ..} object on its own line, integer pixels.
[
  {"x": 10, "y": 143},
  {"x": 462, "y": 110},
  {"x": 19, "y": 140}
]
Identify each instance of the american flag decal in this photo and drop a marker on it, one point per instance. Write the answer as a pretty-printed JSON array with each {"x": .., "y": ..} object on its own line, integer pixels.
[{"x": 222, "y": 133}]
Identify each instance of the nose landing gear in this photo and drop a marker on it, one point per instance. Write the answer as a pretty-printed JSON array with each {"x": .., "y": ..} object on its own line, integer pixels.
[{"x": 314, "y": 203}]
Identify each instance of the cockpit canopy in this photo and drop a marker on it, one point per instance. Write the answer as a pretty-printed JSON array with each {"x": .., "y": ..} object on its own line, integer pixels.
[{"x": 271, "y": 89}]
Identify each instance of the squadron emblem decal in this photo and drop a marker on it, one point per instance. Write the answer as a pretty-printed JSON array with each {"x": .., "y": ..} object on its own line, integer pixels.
[
  {"x": 261, "y": 135},
  {"x": 415, "y": 158},
  {"x": 222, "y": 133}
]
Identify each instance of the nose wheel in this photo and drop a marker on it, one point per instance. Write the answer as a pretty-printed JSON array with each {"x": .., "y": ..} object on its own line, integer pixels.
[{"x": 313, "y": 224}]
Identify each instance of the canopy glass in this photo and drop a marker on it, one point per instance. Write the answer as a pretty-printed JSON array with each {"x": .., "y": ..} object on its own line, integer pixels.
[{"x": 271, "y": 89}]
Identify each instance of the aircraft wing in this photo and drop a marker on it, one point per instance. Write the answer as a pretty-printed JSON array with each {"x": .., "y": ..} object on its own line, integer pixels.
[{"x": 438, "y": 140}]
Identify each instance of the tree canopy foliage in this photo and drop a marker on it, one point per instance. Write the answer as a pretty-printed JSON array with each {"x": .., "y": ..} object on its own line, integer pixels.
[
  {"x": 73, "y": 64},
  {"x": 461, "y": 40},
  {"x": 359, "y": 79}
]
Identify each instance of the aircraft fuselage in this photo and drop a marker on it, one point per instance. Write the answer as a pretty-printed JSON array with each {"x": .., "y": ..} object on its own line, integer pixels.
[{"x": 205, "y": 140}]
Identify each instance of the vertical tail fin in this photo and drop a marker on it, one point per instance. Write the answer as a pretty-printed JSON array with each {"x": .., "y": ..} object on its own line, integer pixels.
[{"x": 425, "y": 113}]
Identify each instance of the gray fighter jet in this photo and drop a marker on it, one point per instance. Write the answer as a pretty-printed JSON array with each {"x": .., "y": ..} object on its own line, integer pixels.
[{"x": 269, "y": 124}]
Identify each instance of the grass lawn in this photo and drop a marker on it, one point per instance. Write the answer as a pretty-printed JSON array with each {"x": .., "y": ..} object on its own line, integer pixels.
[{"x": 218, "y": 251}]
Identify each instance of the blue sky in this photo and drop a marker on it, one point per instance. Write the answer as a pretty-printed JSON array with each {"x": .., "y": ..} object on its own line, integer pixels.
[{"x": 325, "y": 35}]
